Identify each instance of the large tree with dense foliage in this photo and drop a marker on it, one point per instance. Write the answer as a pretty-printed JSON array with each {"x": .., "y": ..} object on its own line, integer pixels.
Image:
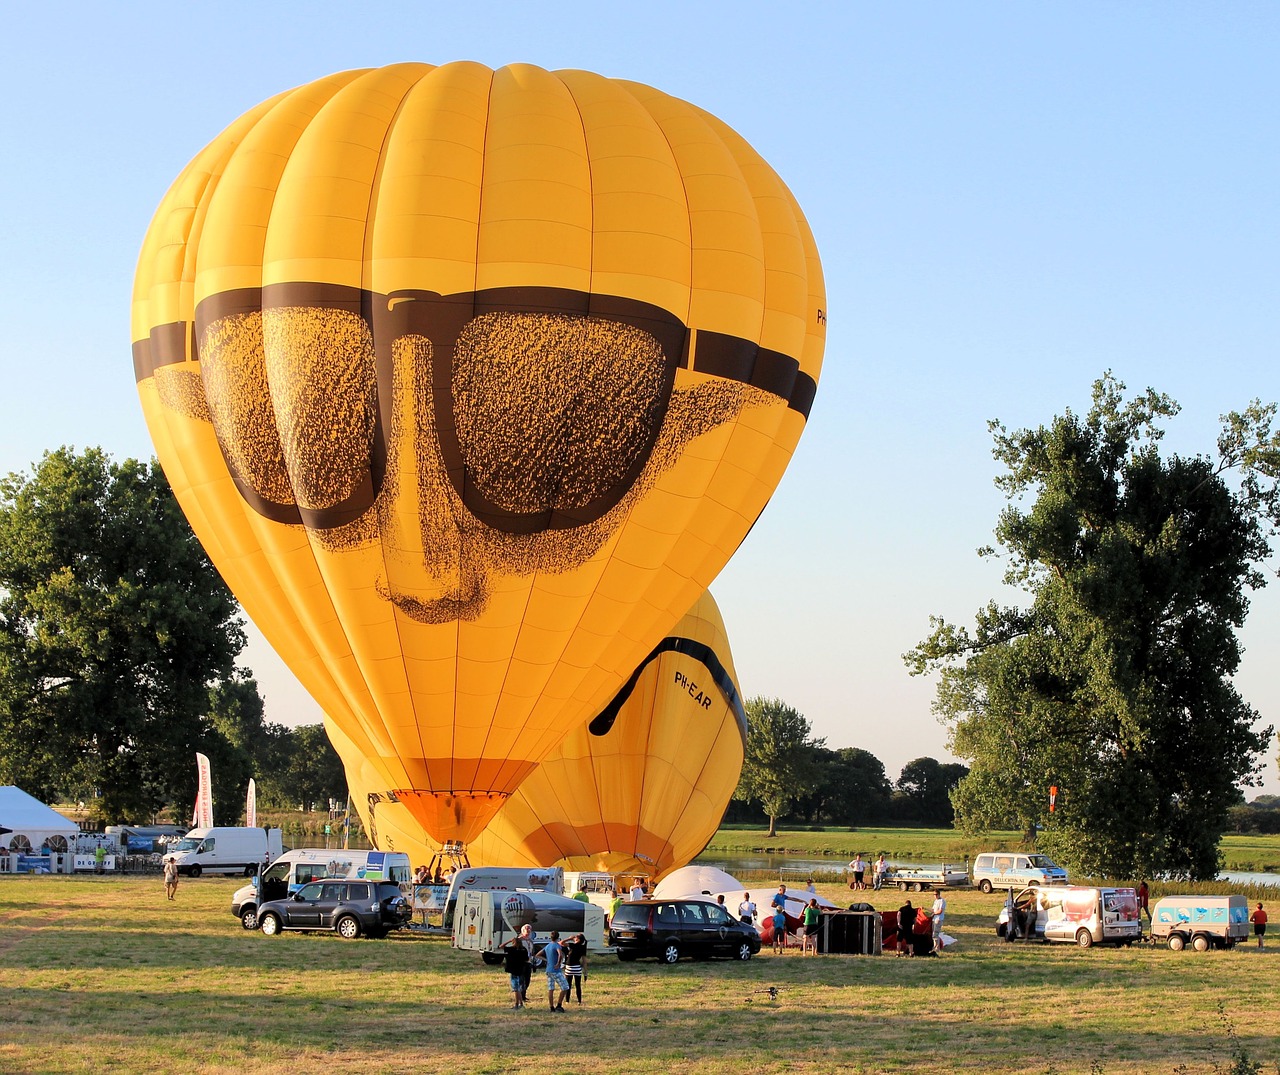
[
  {"x": 780, "y": 765},
  {"x": 924, "y": 791},
  {"x": 1114, "y": 683},
  {"x": 113, "y": 627}
]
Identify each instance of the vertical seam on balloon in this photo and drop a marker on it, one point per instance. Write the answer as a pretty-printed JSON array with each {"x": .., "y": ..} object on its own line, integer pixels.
[
  {"x": 457, "y": 640},
  {"x": 366, "y": 286}
]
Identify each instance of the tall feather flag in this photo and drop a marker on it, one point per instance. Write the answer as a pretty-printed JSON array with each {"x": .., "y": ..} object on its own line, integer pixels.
[
  {"x": 251, "y": 805},
  {"x": 203, "y": 816}
]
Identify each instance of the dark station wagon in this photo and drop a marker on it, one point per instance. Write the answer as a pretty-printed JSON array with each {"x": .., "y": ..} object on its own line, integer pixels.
[
  {"x": 669, "y": 929},
  {"x": 348, "y": 908}
]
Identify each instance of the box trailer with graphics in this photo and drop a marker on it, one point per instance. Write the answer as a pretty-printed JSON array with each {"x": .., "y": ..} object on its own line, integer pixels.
[
  {"x": 501, "y": 879},
  {"x": 484, "y": 921},
  {"x": 1203, "y": 922}
]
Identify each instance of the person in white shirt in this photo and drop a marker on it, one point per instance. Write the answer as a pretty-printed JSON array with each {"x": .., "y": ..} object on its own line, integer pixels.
[
  {"x": 637, "y": 891},
  {"x": 939, "y": 912},
  {"x": 880, "y": 869},
  {"x": 747, "y": 910}
]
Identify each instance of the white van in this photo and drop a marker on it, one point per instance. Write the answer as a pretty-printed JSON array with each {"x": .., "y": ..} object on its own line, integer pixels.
[
  {"x": 1012, "y": 869},
  {"x": 302, "y": 865},
  {"x": 225, "y": 849},
  {"x": 1075, "y": 914}
]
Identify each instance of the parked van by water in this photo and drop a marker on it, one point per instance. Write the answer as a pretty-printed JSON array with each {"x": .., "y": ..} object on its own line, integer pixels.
[
  {"x": 1072, "y": 913},
  {"x": 302, "y": 865},
  {"x": 225, "y": 849},
  {"x": 1011, "y": 869}
]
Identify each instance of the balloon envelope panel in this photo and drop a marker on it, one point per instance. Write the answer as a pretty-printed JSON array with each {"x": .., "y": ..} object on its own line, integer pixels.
[{"x": 470, "y": 381}]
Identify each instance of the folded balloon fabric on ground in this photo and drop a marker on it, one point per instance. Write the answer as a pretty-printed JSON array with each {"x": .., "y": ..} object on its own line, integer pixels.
[{"x": 470, "y": 382}]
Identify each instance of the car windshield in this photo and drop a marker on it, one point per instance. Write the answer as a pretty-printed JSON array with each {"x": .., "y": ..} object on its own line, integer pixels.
[{"x": 185, "y": 844}]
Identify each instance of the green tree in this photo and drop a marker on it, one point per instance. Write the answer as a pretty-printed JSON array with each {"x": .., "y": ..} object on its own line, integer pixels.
[
  {"x": 851, "y": 788},
  {"x": 1114, "y": 684},
  {"x": 926, "y": 785},
  {"x": 237, "y": 742},
  {"x": 780, "y": 765},
  {"x": 308, "y": 769},
  {"x": 113, "y": 626}
]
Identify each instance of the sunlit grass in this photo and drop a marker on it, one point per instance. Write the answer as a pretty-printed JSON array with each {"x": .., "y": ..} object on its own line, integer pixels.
[{"x": 102, "y": 974}]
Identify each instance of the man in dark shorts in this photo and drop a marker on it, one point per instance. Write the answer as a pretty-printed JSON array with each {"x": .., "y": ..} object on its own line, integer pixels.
[
  {"x": 1259, "y": 920},
  {"x": 906, "y": 926}
]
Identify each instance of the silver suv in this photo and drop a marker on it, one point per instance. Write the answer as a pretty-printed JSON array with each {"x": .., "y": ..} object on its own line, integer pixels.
[{"x": 348, "y": 908}]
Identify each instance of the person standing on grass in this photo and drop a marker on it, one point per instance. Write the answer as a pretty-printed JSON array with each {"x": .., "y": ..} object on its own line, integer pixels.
[
  {"x": 553, "y": 953},
  {"x": 170, "y": 878},
  {"x": 1144, "y": 901},
  {"x": 812, "y": 916},
  {"x": 575, "y": 958},
  {"x": 515, "y": 961},
  {"x": 779, "y": 929},
  {"x": 859, "y": 868},
  {"x": 526, "y": 939},
  {"x": 99, "y": 858},
  {"x": 906, "y": 924},
  {"x": 779, "y": 901},
  {"x": 939, "y": 912},
  {"x": 1259, "y": 920},
  {"x": 878, "y": 872},
  {"x": 747, "y": 910}
]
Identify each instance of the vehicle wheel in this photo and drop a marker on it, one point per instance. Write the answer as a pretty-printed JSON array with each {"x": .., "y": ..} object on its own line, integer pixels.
[
  {"x": 348, "y": 927},
  {"x": 1201, "y": 943},
  {"x": 670, "y": 952},
  {"x": 744, "y": 951},
  {"x": 194, "y": 871},
  {"x": 627, "y": 957},
  {"x": 985, "y": 886},
  {"x": 903, "y": 886},
  {"x": 1084, "y": 938},
  {"x": 916, "y": 886},
  {"x": 249, "y": 917},
  {"x": 270, "y": 925},
  {"x": 1177, "y": 942},
  {"x": 492, "y": 958},
  {"x": 1001, "y": 930},
  {"x": 249, "y": 871}
]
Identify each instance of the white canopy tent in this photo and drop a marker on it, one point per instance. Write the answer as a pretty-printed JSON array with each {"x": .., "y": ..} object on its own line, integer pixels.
[{"x": 32, "y": 822}]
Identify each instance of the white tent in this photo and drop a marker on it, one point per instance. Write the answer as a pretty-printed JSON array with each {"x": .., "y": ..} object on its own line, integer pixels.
[{"x": 28, "y": 817}]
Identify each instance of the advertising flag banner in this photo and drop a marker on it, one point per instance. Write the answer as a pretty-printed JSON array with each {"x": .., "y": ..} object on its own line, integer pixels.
[
  {"x": 1053, "y": 797},
  {"x": 251, "y": 805},
  {"x": 203, "y": 817}
]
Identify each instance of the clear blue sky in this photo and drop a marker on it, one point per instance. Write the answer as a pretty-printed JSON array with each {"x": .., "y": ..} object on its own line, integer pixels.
[{"x": 1009, "y": 199}]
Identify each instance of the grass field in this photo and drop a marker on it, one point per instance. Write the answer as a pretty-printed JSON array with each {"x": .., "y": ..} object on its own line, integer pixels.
[
  {"x": 102, "y": 974},
  {"x": 1259, "y": 854}
]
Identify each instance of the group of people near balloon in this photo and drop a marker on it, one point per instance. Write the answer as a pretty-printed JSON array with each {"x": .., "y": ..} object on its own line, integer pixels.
[
  {"x": 564, "y": 962},
  {"x": 919, "y": 932}
]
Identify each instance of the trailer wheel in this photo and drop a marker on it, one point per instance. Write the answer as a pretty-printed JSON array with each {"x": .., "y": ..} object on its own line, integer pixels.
[
  {"x": 1084, "y": 938},
  {"x": 1201, "y": 943},
  {"x": 985, "y": 886},
  {"x": 917, "y": 886},
  {"x": 903, "y": 886},
  {"x": 1177, "y": 942}
]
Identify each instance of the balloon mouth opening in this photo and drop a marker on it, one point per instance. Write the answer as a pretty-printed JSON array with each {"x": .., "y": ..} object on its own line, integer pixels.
[{"x": 451, "y": 817}]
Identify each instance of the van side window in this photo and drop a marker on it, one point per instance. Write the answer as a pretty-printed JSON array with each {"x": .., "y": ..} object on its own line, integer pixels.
[
  {"x": 668, "y": 915},
  {"x": 1004, "y": 862},
  {"x": 1022, "y": 863},
  {"x": 693, "y": 916}
]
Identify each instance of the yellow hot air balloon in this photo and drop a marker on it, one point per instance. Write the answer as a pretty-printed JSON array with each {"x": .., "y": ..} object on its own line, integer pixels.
[
  {"x": 640, "y": 789},
  {"x": 470, "y": 381}
]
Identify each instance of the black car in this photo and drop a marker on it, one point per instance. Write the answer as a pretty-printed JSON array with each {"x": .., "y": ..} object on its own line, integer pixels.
[
  {"x": 669, "y": 929},
  {"x": 349, "y": 908}
]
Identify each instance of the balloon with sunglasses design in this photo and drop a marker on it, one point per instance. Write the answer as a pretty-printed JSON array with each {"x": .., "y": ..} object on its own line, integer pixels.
[{"x": 470, "y": 382}]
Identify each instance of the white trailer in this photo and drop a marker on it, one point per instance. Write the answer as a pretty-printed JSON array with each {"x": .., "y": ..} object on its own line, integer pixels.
[{"x": 486, "y": 920}]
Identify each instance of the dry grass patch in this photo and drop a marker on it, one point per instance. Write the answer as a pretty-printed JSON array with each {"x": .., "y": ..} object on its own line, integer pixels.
[{"x": 102, "y": 974}]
